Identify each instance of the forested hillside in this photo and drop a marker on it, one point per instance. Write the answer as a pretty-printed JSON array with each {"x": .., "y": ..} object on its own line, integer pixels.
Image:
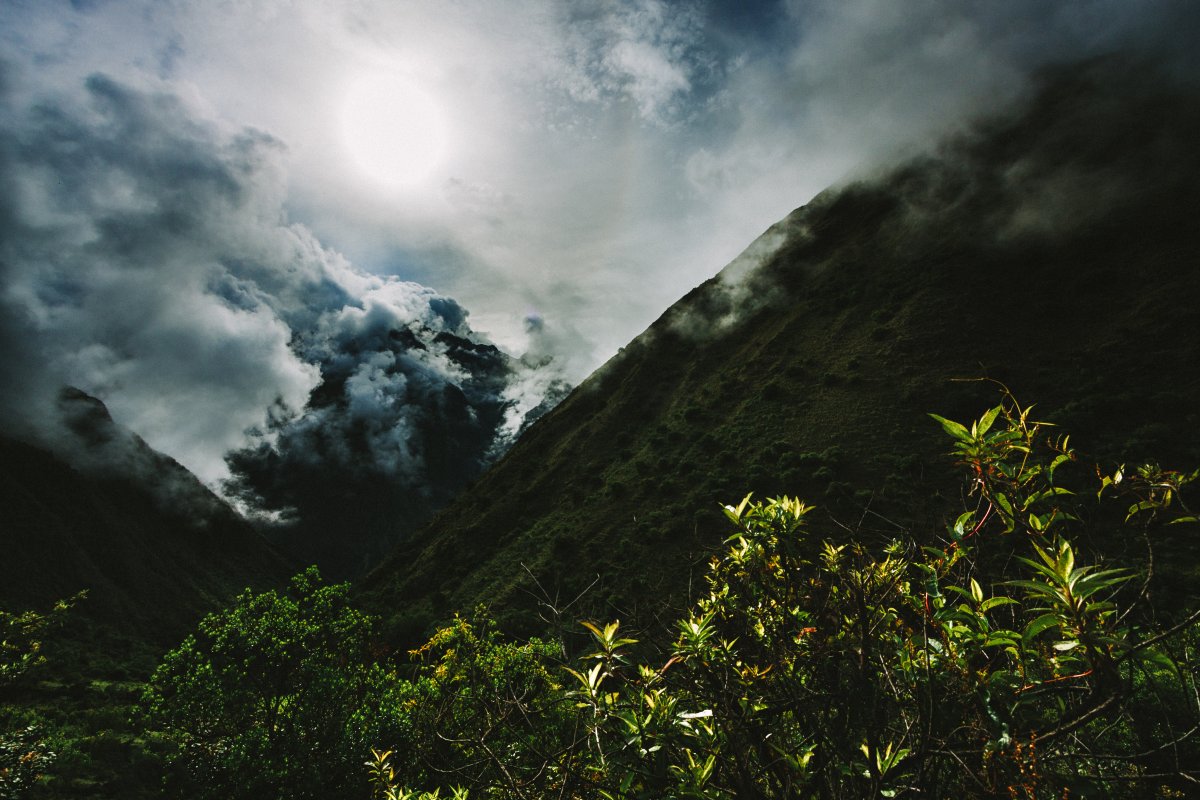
[
  {"x": 1052, "y": 248},
  {"x": 932, "y": 591},
  {"x": 133, "y": 550}
]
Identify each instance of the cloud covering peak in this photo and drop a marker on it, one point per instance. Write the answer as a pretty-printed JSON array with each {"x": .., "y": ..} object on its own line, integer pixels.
[
  {"x": 203, "y": 223},
  {"x": 148, "y": 259}
]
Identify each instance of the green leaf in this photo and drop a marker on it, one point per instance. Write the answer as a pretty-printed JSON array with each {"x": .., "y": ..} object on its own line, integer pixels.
[
  {"x": 596, "y": 632},
  {"x": 1036, "y": 589},
  {"x": 1040, "y": 624},
  {"x": 1090, "y": 584},
  {"x": 997, "y": 639},
  {"x": 958, "y": 590},
  {"x": 953, "y": 428},
  {"x": 1066, "y": 559},
  {"x": 985, "y": 422},
  {"x": 1050, "y": 571},
  {"x": 960, "y": 524},
  {"x": 1138, "y": 508},
  {"x": 1096, "y": 608},
  {"x": 993, "y": 602},
  {"x": 697, "y": 714}
]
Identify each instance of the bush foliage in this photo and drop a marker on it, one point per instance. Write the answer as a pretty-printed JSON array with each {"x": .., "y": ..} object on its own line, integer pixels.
[
  {"x": 261, "y": 698},
  {"x": 1002, "y": 657},
  {"x": 25, "y": 749}
]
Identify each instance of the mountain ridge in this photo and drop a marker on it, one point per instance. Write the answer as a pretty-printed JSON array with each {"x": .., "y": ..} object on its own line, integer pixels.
[
  {"x": 97, "y": 509},
  {"x": 1051, "y": 250}
]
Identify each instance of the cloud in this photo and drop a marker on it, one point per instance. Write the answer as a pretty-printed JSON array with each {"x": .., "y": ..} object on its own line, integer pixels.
[
  {"x": 199, "y": 205},
  {"x": 116, "y": 223},
  {"x": 410, "y": 408},
  {"x": 149, "y": 260},
  {"x": 649, "y": 53}
]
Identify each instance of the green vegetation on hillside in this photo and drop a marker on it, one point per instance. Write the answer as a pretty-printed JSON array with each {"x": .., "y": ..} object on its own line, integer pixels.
[
  {"x": 24, "y": 750},
  {"x": 1053, "y": 249},
  {"x": 155, "y": 550},
  {"x": 71, "y": 712},
  {"x": 991, "y": 636},
  {"x": 1007, "y": 655}
]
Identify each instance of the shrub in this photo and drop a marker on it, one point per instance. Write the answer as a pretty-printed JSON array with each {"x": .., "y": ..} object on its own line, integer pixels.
[
  {"x": 25, "y": 752},
  {"x": 998, "y": 657},
  {"x": 993, "y": 662},
  {"x": 479, "y": 712},
  {"x": 260, "y": 697}
]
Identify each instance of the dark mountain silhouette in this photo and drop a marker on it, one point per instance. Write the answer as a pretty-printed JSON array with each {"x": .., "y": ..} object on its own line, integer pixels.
[
  {"x": 98, "y": 509},
  {"x": 402, "y": 419},
  {"x": 1054, "y": 248}
]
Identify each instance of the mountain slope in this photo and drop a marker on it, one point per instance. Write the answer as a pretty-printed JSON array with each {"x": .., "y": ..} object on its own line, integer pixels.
[
  {"x": 1054, "y": 249},
  {"x": 104, "y": 512}
]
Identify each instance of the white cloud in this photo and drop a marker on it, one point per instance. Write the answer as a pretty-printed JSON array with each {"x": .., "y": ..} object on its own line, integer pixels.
[
  {"x": 602, "y": 157},
  {"x": 186, "y": 299}
]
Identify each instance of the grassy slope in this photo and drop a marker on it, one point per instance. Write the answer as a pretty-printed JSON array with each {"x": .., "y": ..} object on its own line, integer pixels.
[{"x": 1056, "y": 250}]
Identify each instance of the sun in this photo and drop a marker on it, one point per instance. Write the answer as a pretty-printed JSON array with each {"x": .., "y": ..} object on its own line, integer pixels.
[{"x": 393, "y": 130}]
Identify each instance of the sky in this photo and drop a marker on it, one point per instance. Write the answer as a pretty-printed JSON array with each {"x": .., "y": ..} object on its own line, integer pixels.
[{"x": 209, "y": 206}]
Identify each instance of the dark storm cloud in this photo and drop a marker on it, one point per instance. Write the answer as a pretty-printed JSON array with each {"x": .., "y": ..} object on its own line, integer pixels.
[
  {"x": 117, "y": 217},
  {"x": 148, "y": 260}
]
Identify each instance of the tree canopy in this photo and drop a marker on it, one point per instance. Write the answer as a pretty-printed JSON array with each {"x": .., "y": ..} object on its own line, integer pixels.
[{"x": 1004, "y": 656}]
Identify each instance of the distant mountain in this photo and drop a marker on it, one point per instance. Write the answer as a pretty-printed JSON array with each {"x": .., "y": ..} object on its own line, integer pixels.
[
  {"x": 1055, "y": 248},
  {"x": 403, "y": 418},
  {"x": 93, "y": 507}
]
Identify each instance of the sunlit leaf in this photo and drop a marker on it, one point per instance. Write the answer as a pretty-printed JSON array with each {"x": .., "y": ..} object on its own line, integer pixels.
[{"x": 953, "y": 428}]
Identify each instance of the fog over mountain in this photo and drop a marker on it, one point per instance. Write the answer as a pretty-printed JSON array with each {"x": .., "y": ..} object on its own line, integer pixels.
[
  {"x": 148, "y": 256},
  {"x": 1050, "y": 249},
  {"x": 104, "y": 513},
  {"x": 313, "y": 250}
]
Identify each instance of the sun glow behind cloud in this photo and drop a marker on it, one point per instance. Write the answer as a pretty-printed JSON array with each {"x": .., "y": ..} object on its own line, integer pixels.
[
  {"x": 592, "y": 161},
  {"x": 394, "y": 131}
]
